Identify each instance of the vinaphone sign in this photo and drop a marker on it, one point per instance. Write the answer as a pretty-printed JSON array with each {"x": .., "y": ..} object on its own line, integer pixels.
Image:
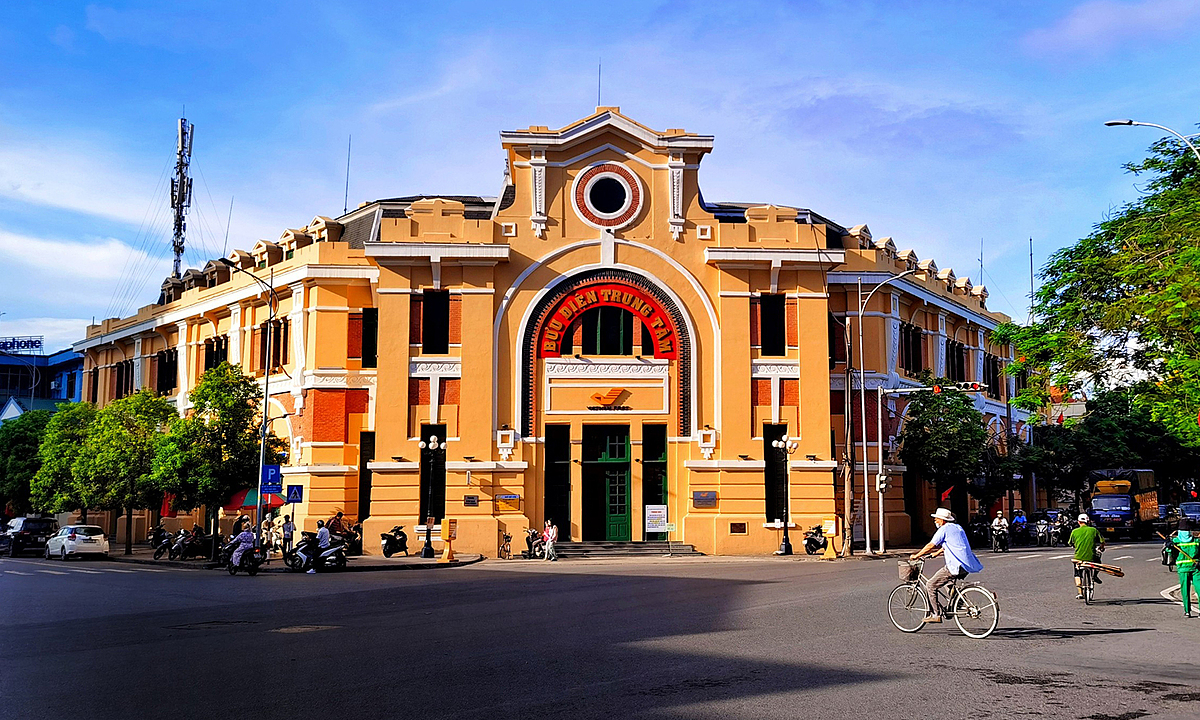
[{"x": 31, "y": 343}]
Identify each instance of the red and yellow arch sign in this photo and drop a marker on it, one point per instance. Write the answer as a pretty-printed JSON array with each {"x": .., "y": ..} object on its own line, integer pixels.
[{"x": 567, "y": 310}]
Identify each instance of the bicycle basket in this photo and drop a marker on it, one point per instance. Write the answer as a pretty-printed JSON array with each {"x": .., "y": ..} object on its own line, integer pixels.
[{"x": 910, "y": 570}]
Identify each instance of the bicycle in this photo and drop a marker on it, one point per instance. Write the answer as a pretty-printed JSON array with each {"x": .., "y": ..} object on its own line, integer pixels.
[
  {"x": 505, "y": 550},
  {"x": 974, "y": 608},
  {"x": 1086, "y": 572}
]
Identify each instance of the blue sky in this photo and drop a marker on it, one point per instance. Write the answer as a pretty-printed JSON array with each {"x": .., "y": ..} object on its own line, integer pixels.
[{"x": 936, "y": 123}]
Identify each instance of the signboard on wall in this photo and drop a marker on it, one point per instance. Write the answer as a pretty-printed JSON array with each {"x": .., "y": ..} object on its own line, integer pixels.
[
  {"x": 508, "y": 503},
  {"x": 704, "y": 498},
  {"x": 656, "y": 518}
]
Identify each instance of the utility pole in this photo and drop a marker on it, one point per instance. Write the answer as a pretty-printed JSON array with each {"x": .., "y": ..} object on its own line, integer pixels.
[{"x": 181, "y": 189}]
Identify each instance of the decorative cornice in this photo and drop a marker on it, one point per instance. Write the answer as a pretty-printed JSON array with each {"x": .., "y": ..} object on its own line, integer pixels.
[
  {"x": 725, "y": 464},
  {"x": 317, "y": 469},
  {"x": 408, "y": 253},
  {"x": 780, "y": 369},
  {"x": 759, "y": 257},
  {"x": 441, "y": 367},
  {"x": 571, "y": 367}
]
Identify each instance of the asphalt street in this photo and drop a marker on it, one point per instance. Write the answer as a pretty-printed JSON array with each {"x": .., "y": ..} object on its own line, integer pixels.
[{"x": 662, "y": 638}]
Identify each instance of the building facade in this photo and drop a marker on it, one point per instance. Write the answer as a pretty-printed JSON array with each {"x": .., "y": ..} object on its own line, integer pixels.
[
  {"x": 596, "y": 344},
  {"x": 30, "y": 380}
]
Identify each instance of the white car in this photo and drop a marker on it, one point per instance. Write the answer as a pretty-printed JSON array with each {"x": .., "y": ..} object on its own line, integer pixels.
[{"x": 77, "y": 540}]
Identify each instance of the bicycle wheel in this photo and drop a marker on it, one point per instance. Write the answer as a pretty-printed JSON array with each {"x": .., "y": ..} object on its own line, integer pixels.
[
  {"x": 976, "y": 612},
  {"x": 907, "y": 607},
  {"x": 1089, "y": 586}
]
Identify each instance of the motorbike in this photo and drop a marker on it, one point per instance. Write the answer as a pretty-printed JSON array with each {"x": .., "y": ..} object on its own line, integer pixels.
[
  {"x": 980, "y": 532},
  {"x": 1064, "y": 532},
  {"x": 394, "y": 541},
  {"x": 308, "y": 555},
  {"x": 536, "y": 545},
  {"x": 196, "y": 545},
  {"x": 162, "y": 542},
  {"x": 1020, "y": 533},
  {"x": 180, "y": 540},
  {"x": 999, "y": 540},
  {"x": 1042, "y": 529},
  {"x": 249, "y": 562},
  {"x": 814, "y": 540}
]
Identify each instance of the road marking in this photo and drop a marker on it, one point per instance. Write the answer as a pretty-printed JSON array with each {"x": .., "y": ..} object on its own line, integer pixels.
[
  {"x": 141, "y": 569},
  {"x": 1167, "y": 594},
  {"x": 1060, "y": 557},
  {"x": 1125, "y": 557},
  {"x": 115, "y": 570},
  {"x": 52, "y": 572},
  {"x": 1026, "y": 557},
  {"x": 17, "y": 572},
  {"x": 304, "y": 628},
  {"x": 81, "y": 570},
  {"x": 1154, "y": 560}
]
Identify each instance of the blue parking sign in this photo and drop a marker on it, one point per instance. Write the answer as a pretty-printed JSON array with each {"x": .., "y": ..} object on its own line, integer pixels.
[
  {"x": 272, "y": 480},
  {"x": 295, "y": 493}
]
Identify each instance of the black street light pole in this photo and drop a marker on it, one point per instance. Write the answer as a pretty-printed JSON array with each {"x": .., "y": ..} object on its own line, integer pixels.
[
  {"x": 787, "y": 447},
  {"x": 432, "y": 446}
]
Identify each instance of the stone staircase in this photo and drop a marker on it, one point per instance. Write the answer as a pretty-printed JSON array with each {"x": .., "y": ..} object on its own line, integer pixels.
[{"x": 605, "y": 549}]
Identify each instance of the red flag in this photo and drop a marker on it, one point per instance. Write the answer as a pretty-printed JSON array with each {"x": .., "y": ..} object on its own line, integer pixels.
[
  {"x": 167, "y": 510},
  {"x": 1060, "y": 419},
  {"x": 946, "y": 495}
]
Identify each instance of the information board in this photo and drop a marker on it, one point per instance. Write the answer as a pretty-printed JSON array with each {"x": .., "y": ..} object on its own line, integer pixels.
[{"x": 656, "y": 518}]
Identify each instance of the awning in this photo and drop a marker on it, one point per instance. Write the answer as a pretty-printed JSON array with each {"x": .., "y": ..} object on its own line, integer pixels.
[{"x": 248, "y": 498}]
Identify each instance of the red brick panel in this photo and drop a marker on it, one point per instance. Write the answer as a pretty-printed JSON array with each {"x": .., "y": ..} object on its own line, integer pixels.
[
  {"x": 455, "y": 319},
  {"x": 760, "y": 392},
  {"x": 354, "y": 333},
  {"x": 329, "y": 415},
  {"x": 357, "y": 401},
  {"x": 448, "y": 392},
  {"x": 789, "y": 392},
  {"x": 414, "y": 321},
  {"x": 792, "y": 314},
  {"x": 418, "y": 391}
]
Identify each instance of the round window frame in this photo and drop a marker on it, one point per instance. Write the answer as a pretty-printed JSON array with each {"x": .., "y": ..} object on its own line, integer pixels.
[{"x": 634, "y": 196}]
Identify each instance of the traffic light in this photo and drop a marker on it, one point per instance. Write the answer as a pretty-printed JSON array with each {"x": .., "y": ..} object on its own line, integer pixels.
[
  {"x": 937, "y": 389},
  {"x": 883, "y": 482},
  {"x": 969, "y": 386}
]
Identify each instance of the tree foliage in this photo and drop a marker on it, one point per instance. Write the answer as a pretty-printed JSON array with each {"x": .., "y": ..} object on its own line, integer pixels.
[
  {"x": 57, "y": 486},
  {"x": 214, "y": 451},
  {"x": 1123, "y": 304},
  {"x": 19, "y": 460},
  {"x": 117, "y": 456},
  {"x": 944, "y": 440}
]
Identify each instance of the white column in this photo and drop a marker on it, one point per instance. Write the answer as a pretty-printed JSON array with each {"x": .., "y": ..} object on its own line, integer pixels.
[
  {"x": 235, "y": 334},
  {"x": 137, "y": 364},
  {"x": 181, "y": 349},
  {"x": 298, "y": 320},
  {"x": 939, "y": 361}
]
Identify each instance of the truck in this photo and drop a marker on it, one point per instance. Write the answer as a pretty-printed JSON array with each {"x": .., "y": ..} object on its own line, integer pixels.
[{"x": 1124, "y": 502}]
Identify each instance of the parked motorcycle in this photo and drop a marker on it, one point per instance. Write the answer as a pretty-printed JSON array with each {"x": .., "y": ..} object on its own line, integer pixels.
[
  {"x": 536, "y": 546},
  {"x": 162, "y": 542},
  {"x": 999, "y": 540},
  {"x": 1042, "y": 530},
  {"x": 249, "y": 562},
  {"x": 1020, "y": 534},
  {"x": 815, "y": 540},
  {"x": 308, "y": 555},
  {"x": 394, "y": 541},
  {"x": 178, "y": 542}
]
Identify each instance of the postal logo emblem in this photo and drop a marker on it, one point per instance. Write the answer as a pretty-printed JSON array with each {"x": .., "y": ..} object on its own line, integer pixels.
[{"x": 608, "y": 398}]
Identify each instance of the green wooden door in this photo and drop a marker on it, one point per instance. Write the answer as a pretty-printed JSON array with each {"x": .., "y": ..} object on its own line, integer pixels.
[{"x": 607, "y": 454}]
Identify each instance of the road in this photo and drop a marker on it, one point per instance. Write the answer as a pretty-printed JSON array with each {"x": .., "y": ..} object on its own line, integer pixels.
[{"x": 669, "y": 638}]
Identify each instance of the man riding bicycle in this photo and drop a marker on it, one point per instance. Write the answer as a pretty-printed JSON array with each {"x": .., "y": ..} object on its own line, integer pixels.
[
  {"x": 951, "y": 540},
  {"x": 1085, "y": 539}
]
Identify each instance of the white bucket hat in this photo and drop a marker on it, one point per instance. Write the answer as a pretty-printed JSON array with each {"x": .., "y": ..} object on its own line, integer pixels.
[{"x": 943, "y": 514}]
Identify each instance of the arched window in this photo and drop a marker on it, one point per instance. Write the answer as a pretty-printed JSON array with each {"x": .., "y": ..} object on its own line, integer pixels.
[{"x": 607, "y": 331}]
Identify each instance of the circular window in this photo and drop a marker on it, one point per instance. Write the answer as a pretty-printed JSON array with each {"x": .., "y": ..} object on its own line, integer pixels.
[{"x": 607, "y": 196}]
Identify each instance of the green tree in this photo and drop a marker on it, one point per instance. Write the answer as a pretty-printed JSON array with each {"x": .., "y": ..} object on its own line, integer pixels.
[
  {"x": 19, "y": 461},
  {"x": 118, "y": 453},
  {"x": 1055, "y": 459},
  {"x": 214, "y": 451},
  {"x": 57, "y": 487},
  {"x": 1124, "y": 302},
  {"x": 944, "y": 441}
]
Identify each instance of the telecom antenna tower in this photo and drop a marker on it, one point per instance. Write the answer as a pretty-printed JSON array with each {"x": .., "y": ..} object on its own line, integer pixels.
[{"x": 181, "y": 189}]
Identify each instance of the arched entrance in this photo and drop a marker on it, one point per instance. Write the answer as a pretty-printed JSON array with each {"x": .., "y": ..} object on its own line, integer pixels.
[{"x": 606, "y": 368}]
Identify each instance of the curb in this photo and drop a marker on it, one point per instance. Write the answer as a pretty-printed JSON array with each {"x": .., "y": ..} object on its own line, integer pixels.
[
  {"x": 183, "y": 564},
  {"x": 377, "y": 567}
]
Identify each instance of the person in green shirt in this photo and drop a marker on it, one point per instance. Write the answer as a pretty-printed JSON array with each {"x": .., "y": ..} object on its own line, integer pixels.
[
  {"x": 1189, "y": 549},
  {"x": 1085, "y": 539}
]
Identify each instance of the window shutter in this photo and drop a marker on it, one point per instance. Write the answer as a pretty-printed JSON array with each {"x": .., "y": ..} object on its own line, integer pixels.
[
  {"x": 354, "y": 336},
  {"x": 152, "y": 375},
  {"x": 285, "y": 338},
  {"x": 415, "y": 320},
  {"x": 755, "y": 323},
  {"x": 256, "y": 348},
  {"x": 792, "y": 309},
  {"x": 455, "y": 319}
]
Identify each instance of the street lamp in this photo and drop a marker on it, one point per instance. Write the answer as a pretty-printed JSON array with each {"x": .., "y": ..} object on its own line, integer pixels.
[
  {"x": 862, "y": 396},
  {"x": 1115, "y": 123},
  {"x": 427, "y": 550},
  {"x": 272, "y": 306},
  {"x": 788, "y": 447}
]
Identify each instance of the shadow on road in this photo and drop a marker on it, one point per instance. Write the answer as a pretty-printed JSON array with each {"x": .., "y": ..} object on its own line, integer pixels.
[{"x": 1061, "y": 633}]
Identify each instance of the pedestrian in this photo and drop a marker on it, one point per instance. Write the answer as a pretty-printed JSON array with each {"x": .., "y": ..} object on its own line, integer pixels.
[
  {"x": 268, "y": 533},
  {"x": 1188, "y": 545},
  {"x": 550, "y": 536},
  {"x": 289, "y": 529}
]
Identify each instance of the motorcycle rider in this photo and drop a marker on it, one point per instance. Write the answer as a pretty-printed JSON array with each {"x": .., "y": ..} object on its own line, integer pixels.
[
  {"x": 1000, "y": 523},
  {"x": 245, "y": 541},
  {"x": 322, "y": 543},
  {"x": 951, "y": 540},
  {"x": 336, "y": 524}
]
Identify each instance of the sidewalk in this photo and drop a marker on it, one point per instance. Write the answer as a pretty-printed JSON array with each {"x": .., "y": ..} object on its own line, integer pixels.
[{"x": 144, "y": 555}]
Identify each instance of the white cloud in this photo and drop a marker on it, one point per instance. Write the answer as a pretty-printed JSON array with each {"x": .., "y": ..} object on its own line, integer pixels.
[{"x": 1098, "y": 26}]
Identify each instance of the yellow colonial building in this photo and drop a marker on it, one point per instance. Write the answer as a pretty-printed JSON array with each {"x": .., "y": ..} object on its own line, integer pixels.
[{"x": 596, "y": 344}]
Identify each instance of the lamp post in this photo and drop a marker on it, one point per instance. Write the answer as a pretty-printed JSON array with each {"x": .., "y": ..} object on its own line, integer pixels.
[
  {"x": 427, "y": 549},
  {"x": 272, "y": 306},
  {"x": 862, "y": 396},
  {"x": 1115, "y": 123},
  {"x": 787, "y": 447}
]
